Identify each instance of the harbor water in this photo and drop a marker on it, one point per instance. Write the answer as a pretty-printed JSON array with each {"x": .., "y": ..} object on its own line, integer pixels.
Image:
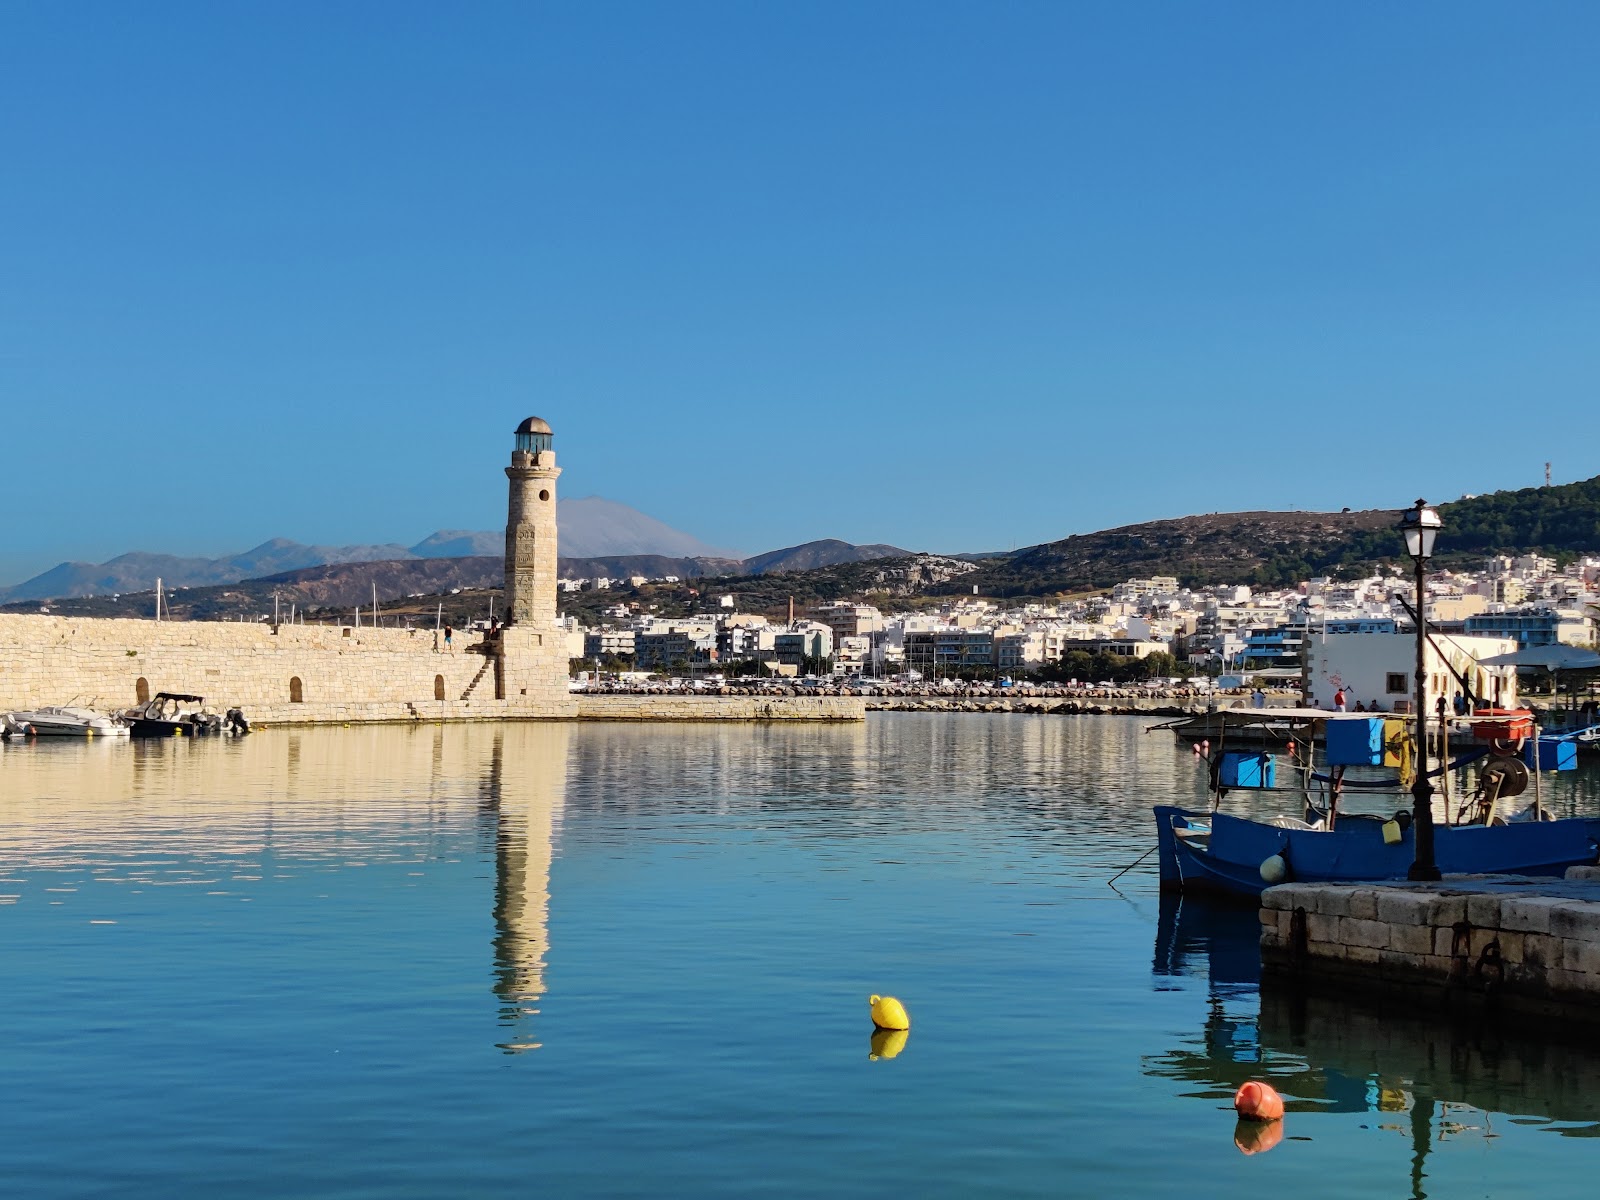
[{"x": 635, "y": 960}]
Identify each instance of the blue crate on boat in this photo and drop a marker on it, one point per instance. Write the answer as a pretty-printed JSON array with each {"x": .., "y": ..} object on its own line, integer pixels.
[
  {"x": 1355, "y": 743},
  {"x": 1555, "y": 754},
  {"x": 1246, "y": 771}
]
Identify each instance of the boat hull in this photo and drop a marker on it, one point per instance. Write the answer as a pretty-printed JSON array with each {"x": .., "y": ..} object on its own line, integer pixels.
[
  {"x": 70, "y": 723},
  {"x": 150, "y": 727},
  {"x": 1222, "y": 854}
]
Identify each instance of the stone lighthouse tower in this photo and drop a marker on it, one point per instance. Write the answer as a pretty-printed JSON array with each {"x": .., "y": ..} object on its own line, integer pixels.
[
  {"x": 531, "y": 529},
  {"x": 531, "y": 668}
]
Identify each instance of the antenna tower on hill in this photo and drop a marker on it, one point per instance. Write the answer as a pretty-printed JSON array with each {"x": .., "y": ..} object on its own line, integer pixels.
[{"x": 1547, "y": 474}]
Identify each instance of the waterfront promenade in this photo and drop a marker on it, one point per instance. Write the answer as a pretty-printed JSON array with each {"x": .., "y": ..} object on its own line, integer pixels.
[{"x": 972, "y": 697}]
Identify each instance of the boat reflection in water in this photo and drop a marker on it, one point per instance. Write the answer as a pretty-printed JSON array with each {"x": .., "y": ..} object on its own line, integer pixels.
[{"x": 1430, "y": 1080}]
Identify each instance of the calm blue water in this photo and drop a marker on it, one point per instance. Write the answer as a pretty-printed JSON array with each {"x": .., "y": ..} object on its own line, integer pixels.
[{"x": 620, "y": 960}]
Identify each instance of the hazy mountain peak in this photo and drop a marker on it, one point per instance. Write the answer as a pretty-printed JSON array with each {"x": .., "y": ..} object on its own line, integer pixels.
[
  {"x": 591, "y": 527},
  {"x": 827, "y": 552},
  {"x": 461, "y": 543}
]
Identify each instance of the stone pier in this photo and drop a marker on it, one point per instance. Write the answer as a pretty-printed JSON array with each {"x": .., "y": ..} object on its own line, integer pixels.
[{"x": 1509, "y": 943}]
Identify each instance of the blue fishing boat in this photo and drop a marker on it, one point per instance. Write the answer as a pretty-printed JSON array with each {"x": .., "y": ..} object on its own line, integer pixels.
[{"x": 1218, "y": 852}]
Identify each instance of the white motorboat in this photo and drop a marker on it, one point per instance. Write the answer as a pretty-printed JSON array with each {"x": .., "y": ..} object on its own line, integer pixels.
[{"x": 64, "y": 722}]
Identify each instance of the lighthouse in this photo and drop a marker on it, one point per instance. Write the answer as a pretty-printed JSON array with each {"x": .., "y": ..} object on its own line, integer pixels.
[
  {"x": 530, "y": 654},
  {"x": 531, "y": 529}
]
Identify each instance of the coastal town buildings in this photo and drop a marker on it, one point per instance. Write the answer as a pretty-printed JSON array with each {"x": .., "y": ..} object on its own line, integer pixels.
[{"x": 1324, "y": 627}]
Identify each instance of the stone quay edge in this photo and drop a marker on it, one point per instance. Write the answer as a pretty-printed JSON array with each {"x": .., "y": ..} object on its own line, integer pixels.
[{"x": 1505, "y": 943}]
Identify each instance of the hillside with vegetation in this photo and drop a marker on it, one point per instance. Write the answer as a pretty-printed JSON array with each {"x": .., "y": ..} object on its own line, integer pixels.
[{"x": 1270, "y": 549}]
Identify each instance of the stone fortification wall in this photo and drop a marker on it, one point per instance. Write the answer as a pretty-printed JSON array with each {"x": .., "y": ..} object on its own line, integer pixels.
[
  {"x": 294, "y": 673},
  {"x": 603, "y": 707}
]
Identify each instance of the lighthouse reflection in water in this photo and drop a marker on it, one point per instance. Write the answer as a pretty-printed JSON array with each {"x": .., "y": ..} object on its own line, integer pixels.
[{"x": 521, "y": 803}]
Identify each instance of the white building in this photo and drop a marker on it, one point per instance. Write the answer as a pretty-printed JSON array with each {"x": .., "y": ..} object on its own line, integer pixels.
[
  {"x": 601, "y": 643},
  {"x": 1377, "y": 670}
]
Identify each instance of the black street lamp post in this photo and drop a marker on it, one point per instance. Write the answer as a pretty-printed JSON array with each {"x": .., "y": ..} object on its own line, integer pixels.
[{"x": 1420, "y": 526}]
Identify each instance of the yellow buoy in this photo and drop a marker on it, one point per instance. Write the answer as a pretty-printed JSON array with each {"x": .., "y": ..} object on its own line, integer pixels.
[
  {"x": 889, "y": 1013},
  {"x": 886, "y": 1043}
]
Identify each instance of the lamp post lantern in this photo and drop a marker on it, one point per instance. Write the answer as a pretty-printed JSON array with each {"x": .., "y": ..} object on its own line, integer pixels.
[{"x": 1420, "y": 526}]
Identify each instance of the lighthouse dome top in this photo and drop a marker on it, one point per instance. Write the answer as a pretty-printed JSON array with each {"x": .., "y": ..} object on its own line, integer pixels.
[{"x": 533, "y": 436}]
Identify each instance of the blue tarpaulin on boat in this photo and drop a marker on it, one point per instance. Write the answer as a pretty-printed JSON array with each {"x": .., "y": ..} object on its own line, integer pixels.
[
  {"x": 1355, "y": 743},
  {"x": 1247, "y": 771},
  {"x": 1555, "y": 754}
]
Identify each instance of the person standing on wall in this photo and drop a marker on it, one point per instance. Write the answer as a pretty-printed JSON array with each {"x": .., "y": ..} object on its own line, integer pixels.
[
  {"x": 447, "y": 632},
  {"x": 1338, "y": 698}
]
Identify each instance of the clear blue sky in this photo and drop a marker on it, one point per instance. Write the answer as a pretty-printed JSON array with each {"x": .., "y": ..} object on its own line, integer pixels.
[{"x": 952, "y": 276}]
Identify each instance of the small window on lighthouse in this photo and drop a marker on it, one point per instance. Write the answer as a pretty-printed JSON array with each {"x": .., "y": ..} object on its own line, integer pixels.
[{"x": 544, "y": 495}]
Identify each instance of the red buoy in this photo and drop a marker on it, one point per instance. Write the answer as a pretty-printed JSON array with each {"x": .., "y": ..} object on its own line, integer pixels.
[{"x": 1258, "y": 1102}]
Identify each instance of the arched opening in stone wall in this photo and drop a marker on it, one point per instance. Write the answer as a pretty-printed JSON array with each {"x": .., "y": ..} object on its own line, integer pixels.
[
  {"x": 438, "y": 687},
  {"x": 141, "y": 691},
  {"x": 296, "y": 692}
]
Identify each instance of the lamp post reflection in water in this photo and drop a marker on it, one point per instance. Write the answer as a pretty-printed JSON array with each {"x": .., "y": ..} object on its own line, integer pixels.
[{"x": 524, "y": 791}]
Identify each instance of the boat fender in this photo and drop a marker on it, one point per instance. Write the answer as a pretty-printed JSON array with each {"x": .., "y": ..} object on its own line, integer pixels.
[
  {"x": 889, "y": 1013},
  {"x": 1392, "y": 834},
  {"x": 1257, "y": 1101},
  {"x": 1274, "y": 869}
]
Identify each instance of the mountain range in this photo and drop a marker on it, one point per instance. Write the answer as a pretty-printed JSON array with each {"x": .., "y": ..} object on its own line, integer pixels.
[
  {"x": 591, "y": 527},
  {"x": 1259, "y": 548},
  {"x": 352, "y": 583},
  {"x": 395, "y": 582}
]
